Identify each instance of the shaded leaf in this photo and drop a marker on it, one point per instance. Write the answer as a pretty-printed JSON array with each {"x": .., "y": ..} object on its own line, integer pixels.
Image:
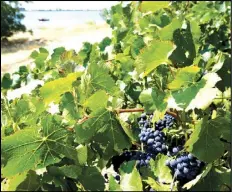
[
  {"x": 91, "y": 179},
  {"x": 205, "y": 142}
]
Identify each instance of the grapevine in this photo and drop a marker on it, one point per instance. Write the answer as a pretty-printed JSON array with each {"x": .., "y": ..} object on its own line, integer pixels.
[{"x": 145, "y": 110}]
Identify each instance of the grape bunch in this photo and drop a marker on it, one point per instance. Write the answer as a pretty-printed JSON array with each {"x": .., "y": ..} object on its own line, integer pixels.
[
  {"x": 154, "y": 141},
  {"x": 166, "y": 122},
  {"x": 145, "y": 121},
  {"x": 186, "y": 167},
  {"x": 141, "y": 158}
]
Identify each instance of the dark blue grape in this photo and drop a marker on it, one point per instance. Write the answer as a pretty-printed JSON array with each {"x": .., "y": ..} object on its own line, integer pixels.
[
  {"x": 190, "y": 156},
  {"x": 175, "y": 150}
]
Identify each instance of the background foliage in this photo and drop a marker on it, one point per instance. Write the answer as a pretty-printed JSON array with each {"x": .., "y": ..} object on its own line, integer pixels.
[
  {"x": 11, "y": 18},
  {"x": 61, "y": 122}
]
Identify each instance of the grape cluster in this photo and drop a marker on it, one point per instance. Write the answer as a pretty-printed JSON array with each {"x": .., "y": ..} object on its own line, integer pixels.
[
  {"x": 154, "y": 141},
  {"x": 166, "y": 122},
  {"x": 141, "y": 158},
  {"x": 145, "y": 121},
  {"x": 186, "y": 167}
]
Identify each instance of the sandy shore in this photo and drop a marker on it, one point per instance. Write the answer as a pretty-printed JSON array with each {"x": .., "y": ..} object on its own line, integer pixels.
[{"x": 16, "y": 52}]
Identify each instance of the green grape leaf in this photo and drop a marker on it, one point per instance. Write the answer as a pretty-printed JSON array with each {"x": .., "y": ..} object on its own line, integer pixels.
[
  {"x": 71, "y": 171},
  {"x": 50, "y": 91},
  {"x": 98, "y": 78},
  {"x": 184, "y": 77},
  {"x": 55, "y": 57},
  {"x": 155, "y": 54},
  {"x": 153, "y": 6},
  {"x": 82, "y": 154},
  {"x": 159, "y": 186},
  {"x": 34, "y": 54},
  {"x": 104, "y": 43},
  {"x": 40, "y": 57},
  {"x": 6, "y": 81},
  {"x": 97, "y": 100},
  {"x": 22, "y": 108},
  {"x": 104, "y": 122},
  {"x": 113, "y": 185},
  {"x": 127, "y": 127},
  {"x": 154, "y": 100},
  {"x": 31, "y": 183},
  {"x": 160, "y": 170},
  {"x": 130, "y": 177},
  {"x": 83, "y": 55},
  {"x": 91, "y": 179},
  {"x": 219, "y": 178},
  {"x": 30, "y": 148},
  {"x": 206, "y": 95},
  {"x": 199, "y": 177},
  {"x": 185, "y": 51},
  {"x": 205, "y": 142},
  {"x": 166, "y": 33},
  {"x": 183, "y": 97},
  {"x": 68, "y": 107},
  {"x": 26, "y": 181}
]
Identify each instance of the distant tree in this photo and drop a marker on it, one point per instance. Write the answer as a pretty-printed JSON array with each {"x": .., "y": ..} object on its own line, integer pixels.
[{"x": 11, "y": 18}]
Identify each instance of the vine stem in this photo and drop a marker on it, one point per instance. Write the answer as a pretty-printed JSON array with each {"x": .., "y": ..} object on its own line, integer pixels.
[{"x": 141, "y": 110}]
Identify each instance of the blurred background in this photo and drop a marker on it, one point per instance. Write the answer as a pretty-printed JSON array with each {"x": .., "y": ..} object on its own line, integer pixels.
[{"x": 28, "y": 25}]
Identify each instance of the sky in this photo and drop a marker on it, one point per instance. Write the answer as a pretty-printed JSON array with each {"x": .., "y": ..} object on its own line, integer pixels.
[{"x": 45, "y": 5}]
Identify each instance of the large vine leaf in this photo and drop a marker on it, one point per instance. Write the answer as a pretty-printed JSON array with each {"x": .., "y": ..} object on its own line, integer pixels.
[
  {"x": 113, "y": 185},
  {"x": 183, "y": 97},
  {"x": 52, "y": 90},
  {"x": 199, "y": 177},
  {"x": 32, "y": 148},
  {"x": 82, "y": 154},
  {"x": 154, "y": 100},
  {"x": 105, "y": 123},
  {"x": 183, "y": 77},
  {"x": 57, "y": 52},
  {"x": 160, "y": 170},
  {"x": 98, "y": 78},
  {"x": 159, "y": 186},
  {"x": 166, "y": 33},
  {"x": 221, "y": 181},
  {"x": 91, "y": 179},
  {"x": 26, "y": 181},
  {"x": 71, "y": 171},
  {"x": 153, "y": 6},
  {"x": 69, "y": 108},
  {"x": 205, "y": 142},
  {"x": 97, "y": 100},
  {"x": 155, "y": 54},
  {"x": 130, "y": 177}
]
